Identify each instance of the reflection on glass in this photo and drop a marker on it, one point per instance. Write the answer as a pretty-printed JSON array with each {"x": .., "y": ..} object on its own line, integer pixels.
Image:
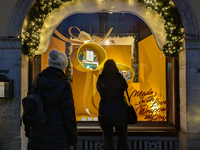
[{"x": 2, "y": 89}]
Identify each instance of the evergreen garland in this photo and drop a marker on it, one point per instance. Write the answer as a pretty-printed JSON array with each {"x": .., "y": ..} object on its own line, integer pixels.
[
  {"x": 37, "y": 16},
  {"x": 172, "y": 24},
  {"x": 168, "y": 12}
]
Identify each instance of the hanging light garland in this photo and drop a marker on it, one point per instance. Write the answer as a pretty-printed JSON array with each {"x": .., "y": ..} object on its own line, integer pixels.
[
  {"x": 31, "y": 36},
  {"x": 172, "y": 24},
  {"x": 42, "y": 8}
]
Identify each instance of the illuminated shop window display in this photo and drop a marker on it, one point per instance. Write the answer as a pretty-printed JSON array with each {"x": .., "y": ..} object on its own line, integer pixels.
[{"x": 133, "y": 47}]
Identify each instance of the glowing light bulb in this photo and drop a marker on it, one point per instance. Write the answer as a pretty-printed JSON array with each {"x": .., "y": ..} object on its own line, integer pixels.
[{"x": 107, "y": 42}]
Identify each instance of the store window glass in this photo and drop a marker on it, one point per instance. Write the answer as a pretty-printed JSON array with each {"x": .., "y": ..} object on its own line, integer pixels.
[{"x": 133, "y": 47}]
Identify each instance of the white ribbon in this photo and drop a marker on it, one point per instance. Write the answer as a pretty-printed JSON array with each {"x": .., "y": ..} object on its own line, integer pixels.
[{"x": 83, "y": 36}]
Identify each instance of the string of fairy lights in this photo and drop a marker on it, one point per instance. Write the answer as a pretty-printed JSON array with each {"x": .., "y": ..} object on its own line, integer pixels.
[
  {"x": 172, "y": 24},
  {"x": 39, "y": 12},
  {"x": 165, "y": 8}
]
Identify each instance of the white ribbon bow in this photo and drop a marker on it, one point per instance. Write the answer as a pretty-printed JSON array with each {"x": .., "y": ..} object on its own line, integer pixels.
[{"x": 83, "y": 36}]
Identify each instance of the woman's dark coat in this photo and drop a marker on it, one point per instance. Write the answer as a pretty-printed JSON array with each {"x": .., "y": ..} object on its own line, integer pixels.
[
  {"x": 61, "y": 129},
  {"x": 111, "y": 87}
]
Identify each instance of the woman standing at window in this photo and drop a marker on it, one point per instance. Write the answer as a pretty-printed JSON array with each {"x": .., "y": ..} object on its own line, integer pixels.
[
  {"x": 60, "y": 131},
  {"x": 112, "y": 108}
]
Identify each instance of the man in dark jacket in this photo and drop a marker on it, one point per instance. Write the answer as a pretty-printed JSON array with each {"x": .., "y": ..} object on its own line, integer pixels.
[{"x": 60, "y": 131}]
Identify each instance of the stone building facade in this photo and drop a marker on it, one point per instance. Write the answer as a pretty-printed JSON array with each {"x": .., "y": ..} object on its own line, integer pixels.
[{"x": 12, "y": 15}]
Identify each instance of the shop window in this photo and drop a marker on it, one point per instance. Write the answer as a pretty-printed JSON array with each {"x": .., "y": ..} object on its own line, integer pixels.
[{"x": 152, "y": 78}]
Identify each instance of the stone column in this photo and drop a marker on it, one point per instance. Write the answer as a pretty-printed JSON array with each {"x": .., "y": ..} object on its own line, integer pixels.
[
  {"x": 16, "y": 64},
  {"x": 190, "y": 95}
]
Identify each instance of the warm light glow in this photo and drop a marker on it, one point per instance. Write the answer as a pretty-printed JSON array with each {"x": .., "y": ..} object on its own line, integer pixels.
[
  {"x": 107, "y": 42},
  {"x": 86, "y": 41},
  {"x": 130, "y": 1},
  {"x": 56, "y": 15}
]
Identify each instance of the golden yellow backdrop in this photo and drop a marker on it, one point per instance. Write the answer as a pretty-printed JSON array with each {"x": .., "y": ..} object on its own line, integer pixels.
[
  {"x": 54, "y": 44},
  {"x": 152, "y": 75}
]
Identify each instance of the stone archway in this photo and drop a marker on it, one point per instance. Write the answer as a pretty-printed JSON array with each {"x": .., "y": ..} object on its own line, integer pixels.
[
  {"x": 19, "y": 13},
  {"x": 191, "y": 30},
  {"x": 188, "y": 18},
  {"x": 187, "y": 14}
]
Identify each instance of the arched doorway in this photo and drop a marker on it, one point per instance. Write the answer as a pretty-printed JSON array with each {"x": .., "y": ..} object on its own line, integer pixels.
[
  {"x": 52, "y": 21},
  {"x": 189, "y": 21},
  {"x": 187, "y": 15}
]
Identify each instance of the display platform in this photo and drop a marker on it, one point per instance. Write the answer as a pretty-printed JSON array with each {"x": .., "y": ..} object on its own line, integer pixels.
[{"x": 86, "y": 118}]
